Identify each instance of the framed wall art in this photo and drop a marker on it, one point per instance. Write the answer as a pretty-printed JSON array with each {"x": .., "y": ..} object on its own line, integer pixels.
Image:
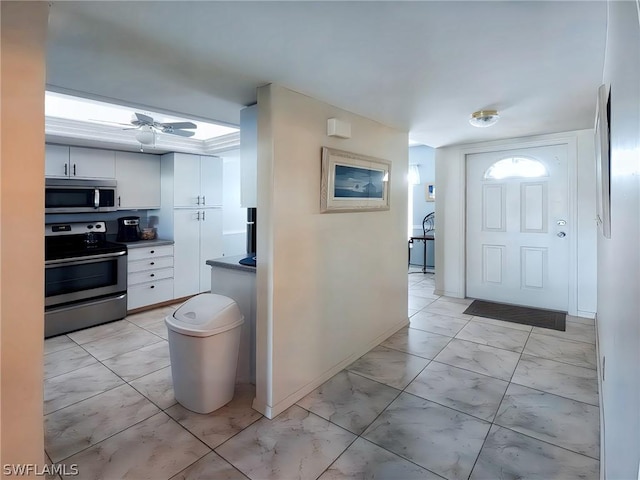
[
  {"x": 353, "y": 182},
  {"x": 603, "y": 161}
]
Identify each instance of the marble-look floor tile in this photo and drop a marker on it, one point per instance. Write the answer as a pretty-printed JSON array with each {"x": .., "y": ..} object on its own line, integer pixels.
[
  {"x": 461, "y": 301},
  {"x": 135, "y": 364},
  {"x": 217, "y": 427},
  {"x": 78, "y": 426},
  {"x": 576, "y": 353},
  {"x": 508, "y": 455},
  {"x": 55, "y": 344},
  {"x": 69, "y": 388},
  {"x": 50, "y": 475},
  {"x": 578, "y": 332},
  {"x": 501, "y": 323},
  {"x": 462, "y": 390},
  {"x": 412, "y": 312},
  {"x": 390, "y": 367},
  {"x": 363, "y": 460},
  {"x": 483, "y": 359},
  {"x": 123, "y": 342},
  {"x": 423, "y": 290},
  {"x": 437, "y": 438},
  {"x": 296, "y": 444},
  {"x": 158, "y": 328},
  {"x": 143, "y": 319},
  {"x": 448, "y": 308},
  {"x": 418, "y": 303},
  {"x": 417, "y": 342},
  {"x": 436, "y": 323},
  {"x": 105, "y": 330},
  {"x": 65, "y": 361},
  {"x": 494, "y": 336},
  {"x": 557, "y": 420},
  {"x": 349, "y": 400},
  {"x": 576, "y": 383},
  {"x": 157, "y": 387},
  {"x": 155, "y": 448},
  {"x": 210, "y": 467},
  {"x": 583, "y": 320}
]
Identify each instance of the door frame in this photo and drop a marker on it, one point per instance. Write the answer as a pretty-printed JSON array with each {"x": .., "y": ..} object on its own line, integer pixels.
[{"x": 568, "y": 139}]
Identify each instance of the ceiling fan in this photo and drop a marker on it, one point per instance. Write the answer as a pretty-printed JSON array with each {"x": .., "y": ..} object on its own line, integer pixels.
[{"x": 147, "y": 128}]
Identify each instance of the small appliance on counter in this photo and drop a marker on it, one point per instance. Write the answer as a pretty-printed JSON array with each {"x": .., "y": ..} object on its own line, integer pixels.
[{"x": 128, "y": 229}]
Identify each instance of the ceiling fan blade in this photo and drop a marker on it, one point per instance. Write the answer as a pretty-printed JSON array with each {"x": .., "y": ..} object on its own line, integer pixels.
[
  {"x": 181, "y": 133},
  {"x": 144, "y": 119},
  {"x": 176, "y": 125}
]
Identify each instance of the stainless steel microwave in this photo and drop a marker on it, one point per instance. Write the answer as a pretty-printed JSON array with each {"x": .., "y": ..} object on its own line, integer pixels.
[{"x": 77, "y": 196}]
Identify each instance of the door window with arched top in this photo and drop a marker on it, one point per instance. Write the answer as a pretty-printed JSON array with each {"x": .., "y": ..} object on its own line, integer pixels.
[{"x": 516, "y": 167}]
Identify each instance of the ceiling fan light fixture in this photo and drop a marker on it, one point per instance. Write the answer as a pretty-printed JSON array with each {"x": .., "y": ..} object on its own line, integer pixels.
[
  {"x": 484, "y": 118},
  {"x": 146, "y": 135}
]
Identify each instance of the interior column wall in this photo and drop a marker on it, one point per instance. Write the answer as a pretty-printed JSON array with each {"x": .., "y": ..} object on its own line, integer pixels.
[
  {"x": 23, "y": 35},
  {"x": 330, "y": 286}
]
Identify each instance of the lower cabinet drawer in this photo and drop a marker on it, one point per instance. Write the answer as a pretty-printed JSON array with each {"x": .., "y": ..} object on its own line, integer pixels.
[
  {"x": 149, "y": 263},
  {"x": 149, "y": 276},
  {"x": 149, "y": 293}
]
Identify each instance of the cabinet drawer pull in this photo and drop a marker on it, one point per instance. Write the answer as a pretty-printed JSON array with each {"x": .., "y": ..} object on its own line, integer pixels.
[
  {"x": 153, "y": 251},
  {"x": 119, "y": 201},
  {"x": 152, "y": 263},
  {"x": 65, "y": 169},
  {"x": 203, "y": 200},
  {"x": 152, "y": 286},
  {"x": 74, "y": 169},
  {"x": 152, "y": 275}
]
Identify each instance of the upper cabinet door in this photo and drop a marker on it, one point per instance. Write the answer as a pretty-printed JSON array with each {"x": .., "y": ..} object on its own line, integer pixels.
[
  {"x": 91, "y": 163},
  {"x": 186, "y": 181},
  {"x": 56, "y": 161},
  {"x": 138, "y": 177},
  {"x": 211, "y": 181}
]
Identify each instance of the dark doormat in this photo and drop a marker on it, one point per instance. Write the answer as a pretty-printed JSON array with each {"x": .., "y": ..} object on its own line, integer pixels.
[{"x": 524, "y": 315}]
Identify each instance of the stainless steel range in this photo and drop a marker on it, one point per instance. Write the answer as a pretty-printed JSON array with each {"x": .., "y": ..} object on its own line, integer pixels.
[{"x": 85, "y": 277}]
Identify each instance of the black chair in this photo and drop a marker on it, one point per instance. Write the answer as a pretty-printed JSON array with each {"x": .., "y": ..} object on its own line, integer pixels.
[{"x": 428, "y": 234}]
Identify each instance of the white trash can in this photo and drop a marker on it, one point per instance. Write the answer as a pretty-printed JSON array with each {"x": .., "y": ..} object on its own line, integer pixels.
[{"x": 204, "y": 338}]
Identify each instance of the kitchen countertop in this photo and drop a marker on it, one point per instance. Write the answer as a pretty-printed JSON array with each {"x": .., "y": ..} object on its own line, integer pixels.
[
  {"x": 148, "y": 243},
  {"x": 231, "y": 263}
]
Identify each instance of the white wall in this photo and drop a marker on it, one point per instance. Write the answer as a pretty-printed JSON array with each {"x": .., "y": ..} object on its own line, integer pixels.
[
  {"x": 450, "y": 214},
  {"x": 234, "y": 217},
  {"x": 24, "y": 28},
  {"x": 618, "y": 318},
  {"x": 330, "y": 286}
]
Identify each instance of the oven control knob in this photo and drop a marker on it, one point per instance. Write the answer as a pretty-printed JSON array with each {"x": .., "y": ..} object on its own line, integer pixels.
[{"x": 89, "y": 226}]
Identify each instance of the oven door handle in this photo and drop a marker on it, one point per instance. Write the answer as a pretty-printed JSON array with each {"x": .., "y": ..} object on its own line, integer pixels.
[
  {"x": 96, "y": 198},
  {"x": 81, "y": 260}
]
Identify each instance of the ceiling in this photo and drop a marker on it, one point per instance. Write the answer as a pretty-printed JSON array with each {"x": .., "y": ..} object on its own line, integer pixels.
[{"x": 420, "y": 66}]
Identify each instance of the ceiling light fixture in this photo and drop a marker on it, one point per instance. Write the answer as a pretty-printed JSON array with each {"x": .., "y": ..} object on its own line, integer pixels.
[
  {"x": 145, "y": 135},
  {"x": 484, "y": 118}
]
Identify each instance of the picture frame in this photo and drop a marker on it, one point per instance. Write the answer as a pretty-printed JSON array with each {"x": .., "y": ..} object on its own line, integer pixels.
[
  {"x": 603, "y": 160},
  {"x": 353, "y": 183},
  {"x": 430, "y": 192}
]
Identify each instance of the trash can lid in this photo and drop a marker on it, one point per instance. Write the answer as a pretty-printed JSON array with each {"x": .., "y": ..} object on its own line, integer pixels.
[{"x": 205, "y": 315}]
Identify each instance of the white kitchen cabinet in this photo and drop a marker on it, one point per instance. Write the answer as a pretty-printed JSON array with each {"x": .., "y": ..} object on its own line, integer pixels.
[
  {"x": 196, "y": 180},
  {"x": 79, "y": 162},
  {"x": 249, "y": 157},
  {"x": 138, "y": 177},
  {"x": 150, "y": 275},
  {"x": 197, "y": 235},
  {"x": 56, "y": 161}
]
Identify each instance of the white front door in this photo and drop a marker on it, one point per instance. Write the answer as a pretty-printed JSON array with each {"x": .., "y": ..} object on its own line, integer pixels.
[{"x": 517, "y": 226}]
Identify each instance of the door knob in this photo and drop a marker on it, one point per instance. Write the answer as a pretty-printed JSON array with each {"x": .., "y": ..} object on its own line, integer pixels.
[
  {"x": 561, "y": 222},
  {"x": 562, "y": 234}
]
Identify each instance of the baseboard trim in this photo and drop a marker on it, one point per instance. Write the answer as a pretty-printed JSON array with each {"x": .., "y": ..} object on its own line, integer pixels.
[
  {"x": 586, "y": 314},
  {"x": 271, "y": 411},
  {"x": 603, "y": 474}
]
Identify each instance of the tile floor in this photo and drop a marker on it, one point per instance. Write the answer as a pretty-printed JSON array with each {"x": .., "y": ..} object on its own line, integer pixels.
[{"x": 451, "y": 396}]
